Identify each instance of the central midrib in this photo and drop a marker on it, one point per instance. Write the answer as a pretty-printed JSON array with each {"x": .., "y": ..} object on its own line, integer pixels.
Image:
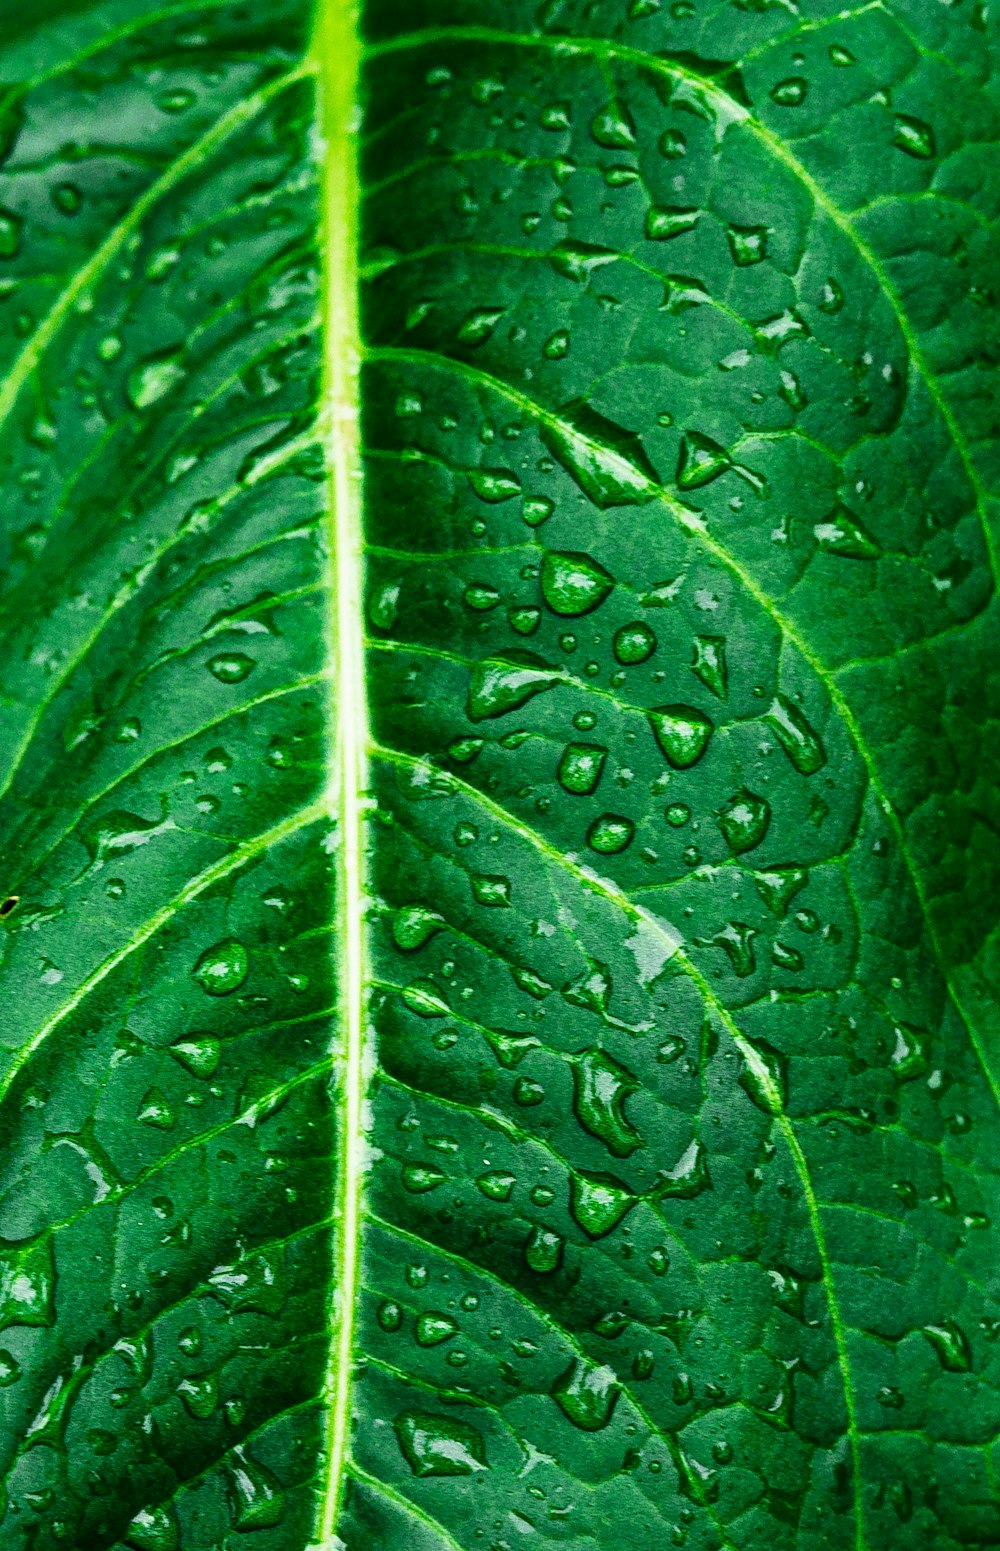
[{"x": 336, "y": 59}]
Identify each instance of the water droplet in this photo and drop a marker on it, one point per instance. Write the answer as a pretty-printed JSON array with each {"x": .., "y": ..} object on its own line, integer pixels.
[
  {"x": 496, "y": 687},
  {"x": 614, "y": 128},
  {"x": 11, "y": 227},
  {"x": 634, "y": 643},
  {"x": 543, "y": 1251},
  {"x": 494, "y": 485},
  {"x": 800, "y": 742},
  {"x": 666, "y": 221},
  {"x": 27, "y": 1284},
  {"x": 464, "y": 750},
  {"x": 607, "y": 462},
  {"x": 909, "y": 1056},
  {"x": 580, "y": 767},
  {"x": 598, "y": 1202},
  {"x": 600, "y": 1088},
  {"x": 672, "y": 145},
  {"x": 435, "y": 1445},
  {"x": 839, "y": 55},
  {"x": 748, "y": 244},
  {"x": 779, "y": 886},
  {"x": 153, "y": 1529},
  {"x": 496, "y": 1185},
  {"x": 117, "y": 833},
  {"x": 573, "y": 583},
  {"x": 790, "y": 93},
  {"x": 152, "y": 380},
  {"x": 689, "y": 1176},
  {"x": 710, "y": 663},
  {"x": 222, "y": 968},
  {"x": 433, "y": 1328},
  {"x": 736, "y": 938},
  {"x": 525, "y": 620},
  {"x": 10, "y": 1369},
  {"x": 200, "y": 1396},
  {"x": 479, "y": 325},
  {"x": 575, "y": 260},
  {"x": 914, "y": 137},
  {"x": 842, "y": 534},
  {"x": 610, "y": 834},
  {"x": 744, "y": 821},
  {"x": 258, "y": 1502},
  {"x": 536, "y": 510},
  {"x": 418, "y": 1179},
  {"x": 951, "y": 1345},
  {"x": 426, "y": 999},
  {"x": 682, "y": 733},
  {"x": 700, "y": 461},
  {"x": 677, "y": 814},
  {"x": 412, "y": 926},
  {"x": 231, "y": 667},
  {"x": 175, "y": 100},
  {"x": 490, "y": 890},
  {"x": 587, "y": 1395},
  {"x": 481, "y": 597},
  {"x": 155, "y": 1111},
  {"x": 764, "y": 1077}
]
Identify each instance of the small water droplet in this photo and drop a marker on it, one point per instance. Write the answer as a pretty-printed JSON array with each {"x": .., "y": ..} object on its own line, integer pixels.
[
  {"x": 479, "y": 325},
  {"x": 748, "y": 244},
  {"x": 222, "y": 968},
  {"x": 231, "y": 667},
  {"x": 790, "y": 93},
  {"x": 842, "y": 534},
  {"x": 153, "y": 379},
  {"x": 434, "y": 1328},
  {"x": 914, "y": 136},
  {"x": 700, "y": 460}
]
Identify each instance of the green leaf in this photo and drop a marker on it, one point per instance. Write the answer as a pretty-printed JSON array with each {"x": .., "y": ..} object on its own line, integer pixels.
[{"x": 454, "y": 1094}]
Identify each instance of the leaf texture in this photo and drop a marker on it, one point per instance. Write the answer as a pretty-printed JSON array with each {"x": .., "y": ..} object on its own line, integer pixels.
[{"x": 509, "y": 1055}]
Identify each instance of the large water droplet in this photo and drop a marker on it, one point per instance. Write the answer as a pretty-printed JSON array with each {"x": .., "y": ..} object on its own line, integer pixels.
[
  {"x": 199, "y": 1054},
  {"x": 778, "y": 887},
  {"x": 709, "y": 663},
  {"x": 543, "y": 1251},
  {"x": 608, "y": 463},
  {"x": 154, "y": 1111},
  {"x": 412, "y": 926},
  {"x": 610, "y": 833},
  {"x": 433, "y": 1328},
  {"x": 580, "y": 768},
  {"x": 116, "y": 834},
  {"x": 689, "y": 1176},
  {"x": 634, "y": 643},
  {"x": 496, "y": 687},
  {"x": 28, "y": 1285},
  {"x": 700, "y": 460},
  {"x": 255, "y": 1283},
  {"x": 222, "y": 968},
  {"x": 748, "y": 244},
  {"x": 666, "y": 221},
  {"x": 479, "y": 325},
  {"x": 682, "y": 732},
  {"x": 494, "y": 485},
  {"x": 744, "y": 821},
  {"x": 575, "y": 260},
  {"x": 614, "y": 128},
  {"x": 587, "y": 1395},
  {"x": 153, "y": 1529},
  {"x": 258, "y": 1501},
  {"x": 600, "y": 1088},
  {"x": 598, "y": 1202},
  {"x": 842, "y": 534},
  {"x": 434, "y": 1445},
  {"x": 573, "y": 583},
  {"x": 800, "y": 742}
]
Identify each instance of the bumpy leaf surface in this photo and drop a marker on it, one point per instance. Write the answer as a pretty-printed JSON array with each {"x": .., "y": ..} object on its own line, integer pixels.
[{"x": 541, "y": 1091}]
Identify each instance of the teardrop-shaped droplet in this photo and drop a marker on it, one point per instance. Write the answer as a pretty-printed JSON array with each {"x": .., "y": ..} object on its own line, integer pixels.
[
  {"x": 153, "y": 1529},
  {"x": 799, "y": 740},
  {"x": 842, "y": 534},
  {"x": 412, "y": 926},
  {"x": 598, "y": 1202},
  {"x": 494, "y": 485},
  {"x": 152, "y": 380},
  {"x": 433, "y": 1328},
  {"x": 614, "y": 128},
  {"x": 575, "y": 260},
  {"x": 478, "y": 326},
  {"x": 664, "y": 222},
  {"x": 710, "y": 663},
  {"x": 257, "y": 1499},
  {"x": 587, "y": 1395},
  {"x": 682, "y": 732},
  {"x": 700, "y": 461},
  {"x": 608, "y": 463},
  {"x": 199, "y": 1054},
  {"x": 496, "y": 687},
  {"x": 573, "y": 583},
  {"x": 222, "y": 968},
  {"x": 914, "y": 136}
]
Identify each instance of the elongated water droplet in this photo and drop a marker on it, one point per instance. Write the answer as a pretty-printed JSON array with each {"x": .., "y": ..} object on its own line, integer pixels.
[
  {"x": 152, "y": 380},
  {"x": 914, "y": 136},
  {"x": 255, "y": 1283},
  {"x": 764, "y": 1077},
  {"x": 496, "y": 687},
  {"x": 689, "y": 1176},
  {"x": 199, "y": 1054},
  {"x": 426, "y": 999},
  {"x": 494, "y": 485},
  {"x": 682, "y": 733},
  {"x": 790, "y": 93},
  {"x": 700, "y": 461},
  {"x": 951, "y": 1345},
  {"x": 709, "y": 663},
  {"x": 258, "y": 1501},
  {"x": 608, "y": 463},
  {"x": 748, "y": 244},
  {"x": 575, "y": 260},
  {"x": 479, "y": 325},
  {"x": 778, "y": 887},
  {"x": 434, "y": 1445},
  {"x": 490, "y": 890},
  {"x": 664, "y": 222},
  {"x": 842, "y": 534},
  {"x": 231, "y": 667},
  {"x": 11, "y": 227},
  {"x": 800, "y": 742},
  {"x": 543, "y": 1251}
]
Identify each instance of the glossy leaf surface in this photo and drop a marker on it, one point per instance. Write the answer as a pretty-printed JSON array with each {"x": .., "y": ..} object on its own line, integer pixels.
[{"x": 510, "y": 1057}]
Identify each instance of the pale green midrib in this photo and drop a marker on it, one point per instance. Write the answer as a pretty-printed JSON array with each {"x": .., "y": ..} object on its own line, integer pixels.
[
  {"x": 601, "y": 49},
  {"x": 205, "y": 880},
  {"x": 335, "y": 59},
  {"x": 696, "y": 530},
  {"x": 637, "y": 913}
]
